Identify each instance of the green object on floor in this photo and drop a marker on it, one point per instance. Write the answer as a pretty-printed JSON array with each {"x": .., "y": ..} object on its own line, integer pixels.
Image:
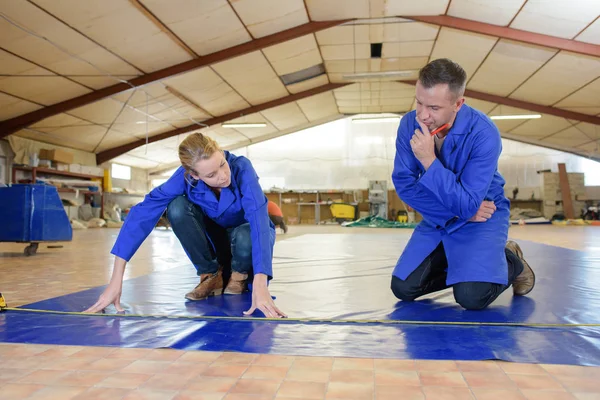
[{"x": 377, "y": 222}]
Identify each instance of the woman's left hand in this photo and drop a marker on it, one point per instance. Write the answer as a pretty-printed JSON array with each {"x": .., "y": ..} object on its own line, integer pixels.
[{"x": 261, "y": 299}]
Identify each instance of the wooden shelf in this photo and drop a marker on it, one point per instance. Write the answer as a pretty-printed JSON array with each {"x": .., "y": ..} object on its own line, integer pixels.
[{"x": 56, "y": 172}]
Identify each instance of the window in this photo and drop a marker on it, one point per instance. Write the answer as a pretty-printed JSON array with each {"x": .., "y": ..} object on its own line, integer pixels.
[{"x": 119, "y": 171}]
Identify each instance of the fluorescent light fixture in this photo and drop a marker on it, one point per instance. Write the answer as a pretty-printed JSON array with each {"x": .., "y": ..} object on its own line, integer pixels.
[
  {"x": 523, "y": 116},
  {"x": 378, "y": 75},
  {"x": 375, "y": 119},
  {"x": 243, "y": 125}
]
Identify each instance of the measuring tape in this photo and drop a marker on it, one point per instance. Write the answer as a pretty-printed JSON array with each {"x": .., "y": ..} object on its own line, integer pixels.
[{"x": 4, "y": 307}]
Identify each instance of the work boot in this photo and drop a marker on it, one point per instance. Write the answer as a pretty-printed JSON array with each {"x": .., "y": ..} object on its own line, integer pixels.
[
  {"x": 237, "y": 283},
  {"x": 523, "y": 283},
  {"x": 210, "y": 285}
]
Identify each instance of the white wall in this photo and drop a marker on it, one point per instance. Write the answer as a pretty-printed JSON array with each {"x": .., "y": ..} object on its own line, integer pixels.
[{"x": 346, "y": 155}]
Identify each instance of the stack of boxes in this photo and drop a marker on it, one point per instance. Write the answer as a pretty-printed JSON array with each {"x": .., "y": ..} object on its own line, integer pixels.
[{"x": 552, "y": 195}]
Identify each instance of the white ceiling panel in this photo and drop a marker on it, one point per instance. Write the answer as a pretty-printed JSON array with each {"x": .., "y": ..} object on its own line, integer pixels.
[
  {"x": 466, "y": 48},
  {"x": 407, "y": 49},
  {"x": 338, "y": 52},
  {"x": 588, "y": 96},
  {"x": 286, "y": 116},
  {"x": 206, "y": 26},
  {"x": 562, "y": 18},
  {"x": 541, "y": 127},
  {"x": 11, "y": 107},
  {"x": 411, "y": 7},
  {"x": 336, "y": 36},
  {"x": 320, "y": 10},
  {"x": 496, "y": 12},
  {"x": 308, "y": 84},
  {"x": 318, "y": 106},
  {"x": 403, "y": 64},
  {"x": 507, "y": 66},
  {"x": 591, "y": 34},
  {"x": 44, "y": 90},
  {"x": 294, "y": 55},
  {"x": 265, "y": 17},
  {"x": 409, "y": 32},
  {"x": 561, "y": 76},
  {"x": 481, "y": 105}
]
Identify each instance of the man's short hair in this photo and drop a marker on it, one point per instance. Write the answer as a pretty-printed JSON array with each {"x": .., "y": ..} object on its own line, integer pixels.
[{"x": 442, "y": 71}]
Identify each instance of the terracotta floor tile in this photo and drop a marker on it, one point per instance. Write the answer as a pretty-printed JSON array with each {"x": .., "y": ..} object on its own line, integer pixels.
[
  {"x": 352, "y": 376},
  {"x": 395, "y": 365},
  {"x": 120, "y": 380},
  {"x": 393, "y": 392},
  {"x": 146, "y": 367},
  {"x": 15, "y": 391},
  {"x": 447, "y": 393},
  {"x": 82, "y": 378},
  {"x": 42, "y": 377},
  {"x": 302, "y": 390},
  {"x": 150, "y": 394},
  {"x": 25, "y": 351},
  {"x": 166, "y": 382},
  {"x": 354, "y": 363},
  {"x": 314, "y": 363},
  {"x": 189, "y": 369},
  {"x": 60, "y": 352},
  {"x": 164, "y": 355},
  {"x": 235, "y": 358},
  {"x": 450, "y": 379},
  {"x": 97, "y": 393},
  {"x": 536, "y": 382},
  {"x": 31, "y": 363},
  {"x": 69, "y": 363},
  {"x": 99, "y": 352},
  {"x": 482, "y": 393},
  {"x": 397, "y": 378},
  {"x": 226, "y": 371},
  {"x": 260, "y": 387},
  {"x": 307, "y": 374},
  {"x": 498, "y": 380},
  {"x": 210, "y": 384},
  {"x": 572, "y": 370},
  {"x": 436, "y": 365},
  {"x": 546, "y": 395},
  {"x": 10, "y": 374},
  {"x": 478, "y": 366},
  {"x": 271, "y": 360},
  {"x": 337, "y": 390},
  {"x": 200, "y": 356},
  {"x": 579, "y": 384},
  {"x": 587, "y": 396},
  {"x": 240, "y": 396},
  {"x": 527, "y": 369},
  {"x": 129, "y": 354},
  {"x": 57, "y": 392},
  {"x": 108, "y": 364},
  {"x": 191, "y": 395},
  {"x": 262, "y": 372}
]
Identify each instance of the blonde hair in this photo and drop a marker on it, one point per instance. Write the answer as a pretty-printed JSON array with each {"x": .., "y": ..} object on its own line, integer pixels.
[{"x": 194, "y": 148}]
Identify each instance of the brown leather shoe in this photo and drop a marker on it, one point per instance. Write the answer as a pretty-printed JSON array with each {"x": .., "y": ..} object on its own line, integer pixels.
[
  {"x": 525, "y": 282},
  {"x": 210, "y": 285},
  {"x": 237, "y": 283}
]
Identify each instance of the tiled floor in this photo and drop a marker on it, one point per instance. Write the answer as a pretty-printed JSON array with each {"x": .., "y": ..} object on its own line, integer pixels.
[{"x": 63, "y": 372}]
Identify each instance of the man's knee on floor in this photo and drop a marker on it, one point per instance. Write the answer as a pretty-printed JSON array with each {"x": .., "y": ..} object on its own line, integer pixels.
[
  {"x": 473, "y": 295},
  {"x": 403, "y": 290},
  {"x": 177, "y": 210},
  {"x": 241, "y": 243}
]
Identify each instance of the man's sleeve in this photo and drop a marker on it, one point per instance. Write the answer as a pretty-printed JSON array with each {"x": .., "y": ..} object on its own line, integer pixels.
[
  {"x": 406, "y": 177},
  {"x": 464, "y": 193}
]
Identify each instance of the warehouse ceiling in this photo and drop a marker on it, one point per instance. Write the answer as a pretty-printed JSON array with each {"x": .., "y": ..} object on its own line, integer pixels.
[{"x": 110, "y": 76}]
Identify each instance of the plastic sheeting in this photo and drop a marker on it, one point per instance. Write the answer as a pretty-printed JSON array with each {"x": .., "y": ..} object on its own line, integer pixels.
[{"x": 342, "y": 277}]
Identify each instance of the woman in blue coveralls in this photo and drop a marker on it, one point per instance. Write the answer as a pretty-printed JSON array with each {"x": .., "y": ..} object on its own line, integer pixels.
[{"x": 218, "y": 212}]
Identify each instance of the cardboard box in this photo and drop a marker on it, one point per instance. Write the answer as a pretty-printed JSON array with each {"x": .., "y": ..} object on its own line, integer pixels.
[
  {"x": 76, "y": 168},
  {"x": 56, "y": 156},
  {"x": 94, "y": 171},
  {"x": 61, "y": 166}
]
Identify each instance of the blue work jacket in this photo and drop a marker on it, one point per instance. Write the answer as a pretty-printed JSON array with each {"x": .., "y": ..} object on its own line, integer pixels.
[
  {"x": 242, "y": 202},
  {"x": 449, "y": 193}
]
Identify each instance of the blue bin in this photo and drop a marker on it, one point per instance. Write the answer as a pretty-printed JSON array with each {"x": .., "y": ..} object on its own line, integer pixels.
[{"x": 33, "y": 213}]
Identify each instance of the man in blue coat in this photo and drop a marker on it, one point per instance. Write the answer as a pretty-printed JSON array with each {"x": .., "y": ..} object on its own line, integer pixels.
[{"x": 451, "y": 178}]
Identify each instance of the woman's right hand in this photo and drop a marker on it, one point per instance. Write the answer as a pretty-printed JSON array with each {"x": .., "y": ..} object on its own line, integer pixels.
[{"x": 112, "y": 293}]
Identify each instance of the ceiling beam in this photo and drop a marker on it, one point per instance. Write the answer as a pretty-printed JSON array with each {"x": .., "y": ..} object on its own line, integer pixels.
[
  {"x": 525, "y": 105},
  {"x": 510, "y": 33},
  {"x": 14, "y": 124},
  {"x": 117, "y": 151}
]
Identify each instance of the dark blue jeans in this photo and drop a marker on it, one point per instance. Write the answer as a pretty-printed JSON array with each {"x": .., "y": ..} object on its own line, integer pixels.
[
  {"x": 206, "y": 243},
  {"x": 430, "y": 277}
]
